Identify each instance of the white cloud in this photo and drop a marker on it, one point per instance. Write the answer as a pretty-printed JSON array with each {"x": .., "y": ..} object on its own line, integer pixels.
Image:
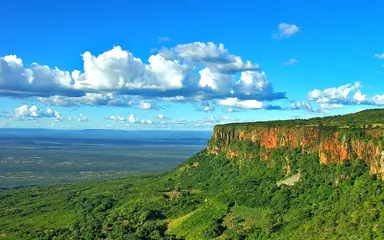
[
  {"x": 210, "y": 121},
  {"x": 291, "y": 62},
  {"x": 209, "y": 109},
  {"x": 378, "y": 100},
  {"x": 111, "y": 70},
  {"x": 36, "y": 80},
  {"x": 33, "y": 112},
  {"x": 148, "y": 122},
  {"x": 236, "y": 103},
  {"x": 326, "y": 106},
  {"x": 22, "y": 111},
  {"x": 82, "y": 118},
  {"x": 175, "y": 99},
  {"x": 253, "y": 83},
  {"x": 144, "y": 105},
  {"x": 211, "y": 79},
  {"x": 132, "y": 118},
  {"x": 286, "y": 30},
  {"x": 188, "y": 72},
  {"x": 60, "y": 100},
  {"x": 98, "y": 99},
  {"x": 199, "y": 51},
  {"x": 334, "y": 95},
  {"x": 117, "y": 118},
  {"x": 338, "y": 97},
  {"x": 359, "y": 97},
  {"x": 54, "y": 114},
  {"x": 301, "y": 105},
  {"x": 214, "y": 56},
  {"x": 165, "y": 74},
  {"x": 379, "y": 56}
]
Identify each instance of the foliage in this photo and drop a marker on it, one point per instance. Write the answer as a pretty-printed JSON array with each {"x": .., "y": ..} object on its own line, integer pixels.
[
  {"x": 364, "y": 119},
  {"x": 206, "y": 197},
  {"x": 217, "y": 198}
]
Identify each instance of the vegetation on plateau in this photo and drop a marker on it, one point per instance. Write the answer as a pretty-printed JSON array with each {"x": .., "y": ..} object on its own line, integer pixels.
[
  {"x": 364, "y": 119},
  {"x": 210, "y": 197}
]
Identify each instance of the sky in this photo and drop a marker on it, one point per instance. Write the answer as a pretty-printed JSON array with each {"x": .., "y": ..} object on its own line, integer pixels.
[{"x": 186, "y": 64}]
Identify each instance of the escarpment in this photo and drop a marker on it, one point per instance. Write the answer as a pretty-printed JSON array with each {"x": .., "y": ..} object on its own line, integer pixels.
[{"x": 332, "y": 144}]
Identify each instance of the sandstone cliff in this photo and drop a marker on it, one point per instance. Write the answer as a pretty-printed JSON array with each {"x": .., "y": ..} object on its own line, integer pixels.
[{"x": 332, "y": 144}]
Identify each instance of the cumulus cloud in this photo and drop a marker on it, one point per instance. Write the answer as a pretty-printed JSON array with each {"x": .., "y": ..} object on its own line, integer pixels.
[
  {"x": 291, "y": 62},
  {"x": 254, "y": 85},
  {"x": 36, "y": 80},
  {"x": 187, "y": 72},
  {"x": 32, "y": 112},
  {"x": 148, "y": 122},
  {"x": 377, "y": 100},
  {"x": 236, "y": 103},
  {"x": 117, "y": 118},
  {"x": 162, "y": 120},
  {"x": 213, "y": 56},
  {"x": 286, "y": 30},
  {"x": 359, "y": 97},
  {"x": 144, "y": 105},
  {"x": 54, "y": 114},
  {"x": 334, "y": 95},
  {"x": 82, "y": 118},
  {"x": 348, "y": 94},
  {"x": 379, "y": 56},
  {"x": 132, "y": 118}
]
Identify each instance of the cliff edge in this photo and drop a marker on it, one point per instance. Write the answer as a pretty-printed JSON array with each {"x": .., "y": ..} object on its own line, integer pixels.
[{"x": 335, "y": 139}]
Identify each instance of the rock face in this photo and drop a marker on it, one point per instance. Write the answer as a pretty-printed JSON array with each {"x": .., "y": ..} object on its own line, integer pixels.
[{"x": 332, "y": 144}]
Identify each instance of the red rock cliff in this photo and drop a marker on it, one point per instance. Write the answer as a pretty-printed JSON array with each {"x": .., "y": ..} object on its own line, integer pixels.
[{"x": 331, "y": 144}]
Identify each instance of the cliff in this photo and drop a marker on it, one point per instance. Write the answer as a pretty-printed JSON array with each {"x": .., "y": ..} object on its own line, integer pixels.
[{"x": 332, "y": 144}]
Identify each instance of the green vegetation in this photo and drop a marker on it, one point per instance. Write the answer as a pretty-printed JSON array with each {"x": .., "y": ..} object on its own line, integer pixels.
[
  {"x": 215, "y": 197},
  {"x": 371, "y": 118},
  {"x": 208, "y": 197}
]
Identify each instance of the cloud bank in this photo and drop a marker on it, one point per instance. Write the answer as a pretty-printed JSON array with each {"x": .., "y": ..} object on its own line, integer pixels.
[
  {"x": 187, "y": 72},
  {"x": 26, "y": 112},
  {"x": 337, "y": 97}
]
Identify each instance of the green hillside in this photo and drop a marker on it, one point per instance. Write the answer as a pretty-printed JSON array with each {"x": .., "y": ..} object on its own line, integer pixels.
[{"x": 290, "y": 196}]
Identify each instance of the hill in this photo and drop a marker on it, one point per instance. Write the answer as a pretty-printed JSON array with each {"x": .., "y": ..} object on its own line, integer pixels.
[{"x": 260, "y": 180}]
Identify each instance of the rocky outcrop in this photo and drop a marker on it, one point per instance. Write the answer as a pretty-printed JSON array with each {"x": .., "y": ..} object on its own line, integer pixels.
[{"x": 332, "y": 144}]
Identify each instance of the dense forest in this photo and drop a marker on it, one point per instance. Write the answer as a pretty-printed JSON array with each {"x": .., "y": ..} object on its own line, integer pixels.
[{"x": 289, "y": 196}]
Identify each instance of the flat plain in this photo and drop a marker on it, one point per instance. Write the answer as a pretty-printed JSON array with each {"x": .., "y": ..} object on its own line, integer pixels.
[{"x": 40, "y": 156}]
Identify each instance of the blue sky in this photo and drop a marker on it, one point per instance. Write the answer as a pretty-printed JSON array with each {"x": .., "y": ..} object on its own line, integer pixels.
[{"x": 186, "y": 64}]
